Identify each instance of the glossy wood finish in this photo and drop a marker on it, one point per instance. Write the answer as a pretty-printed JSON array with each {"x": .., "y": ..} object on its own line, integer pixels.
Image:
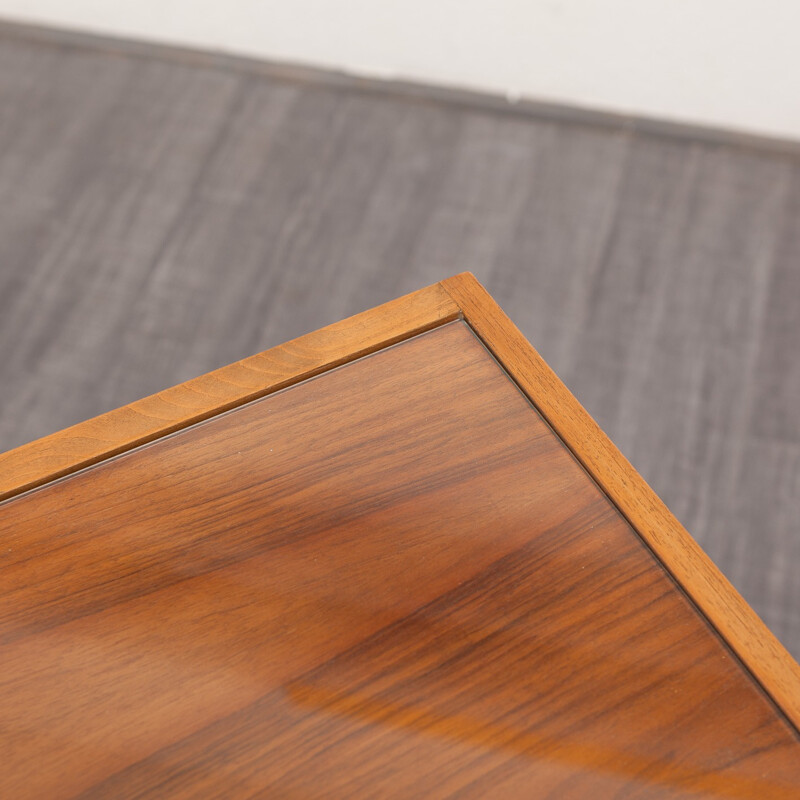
[
  {"x": 174, "y": 408},
  {"x": 390, "y": 580},
  {"x": 736, "y": 621}
]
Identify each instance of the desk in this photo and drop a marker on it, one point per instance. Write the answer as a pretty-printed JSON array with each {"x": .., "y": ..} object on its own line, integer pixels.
[{"x": 393, "y": 558}]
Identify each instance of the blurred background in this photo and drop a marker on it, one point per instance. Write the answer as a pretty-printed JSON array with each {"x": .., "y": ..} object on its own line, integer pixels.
[{"x": 184, "y": 184}]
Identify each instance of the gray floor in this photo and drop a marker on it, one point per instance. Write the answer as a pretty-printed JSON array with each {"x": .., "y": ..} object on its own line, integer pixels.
[{"x": 163, "y": 215}]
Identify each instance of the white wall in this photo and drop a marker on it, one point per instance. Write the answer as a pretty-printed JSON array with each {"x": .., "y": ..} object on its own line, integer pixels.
[{"x": 727, "y": 63}]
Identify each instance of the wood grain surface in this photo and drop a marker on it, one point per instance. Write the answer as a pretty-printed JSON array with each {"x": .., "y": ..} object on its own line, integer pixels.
[
  {"x": 139, "y": 422},
  {"x": 736, "y": 621},
  {"x": 390, "y": 580}
]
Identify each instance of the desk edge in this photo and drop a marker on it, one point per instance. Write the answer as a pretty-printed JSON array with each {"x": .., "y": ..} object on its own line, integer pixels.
[
  {"x": 71, "y": 449},
  {"x": 725, "y": 609}
]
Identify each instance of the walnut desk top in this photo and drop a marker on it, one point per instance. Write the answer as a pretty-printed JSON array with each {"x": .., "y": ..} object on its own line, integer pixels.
[{"x": 392, "y": 558}]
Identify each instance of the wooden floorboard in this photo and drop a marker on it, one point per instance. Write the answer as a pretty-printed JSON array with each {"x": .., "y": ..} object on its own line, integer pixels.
[{"x": 161, "y": 218}]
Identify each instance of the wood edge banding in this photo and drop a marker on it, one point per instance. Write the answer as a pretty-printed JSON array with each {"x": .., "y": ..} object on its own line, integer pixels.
[
  {"x": 726, "y": 610},
  {"x": 79, "y": 446}
]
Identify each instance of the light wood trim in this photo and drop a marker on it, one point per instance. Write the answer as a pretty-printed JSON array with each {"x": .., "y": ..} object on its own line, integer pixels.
[
  {"x": 109, "y": 434},
  {"x": 723, "y": 606}
]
